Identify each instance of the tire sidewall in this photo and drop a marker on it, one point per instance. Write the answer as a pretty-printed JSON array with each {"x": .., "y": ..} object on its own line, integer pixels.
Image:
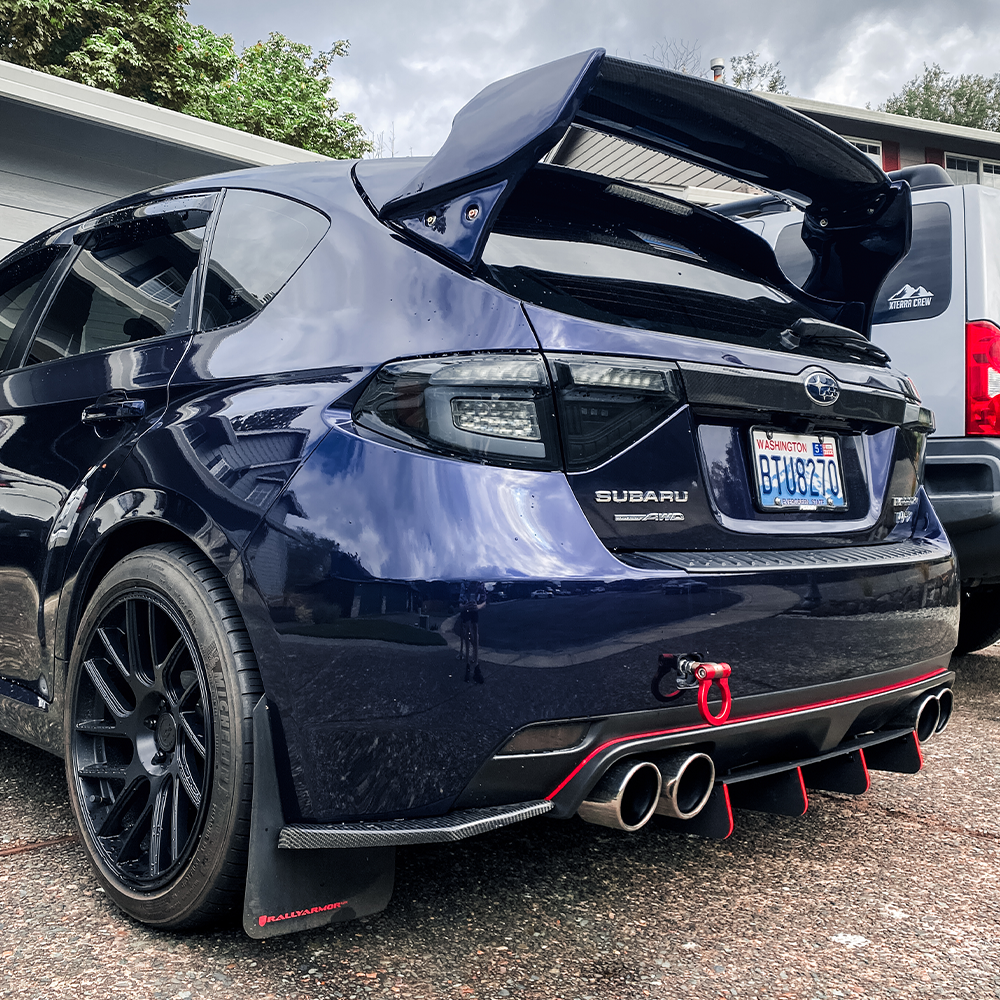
[{"x": 155, "y": 571}]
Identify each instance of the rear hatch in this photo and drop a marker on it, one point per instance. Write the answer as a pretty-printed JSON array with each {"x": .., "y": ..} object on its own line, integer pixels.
[
  {"x": 702, "y": 400},
  {"x": 699, "y": 406}
]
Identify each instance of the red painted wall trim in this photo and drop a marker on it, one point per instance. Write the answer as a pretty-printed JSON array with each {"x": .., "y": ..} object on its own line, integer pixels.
[
  {"x": 890, "y": 155},
  {"x": 932, "y": 155},
  {"x": 743, "y": 718}
]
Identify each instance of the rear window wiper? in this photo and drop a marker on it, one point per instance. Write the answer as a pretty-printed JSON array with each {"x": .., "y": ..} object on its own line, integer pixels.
[{"x": 807, "y": 331}]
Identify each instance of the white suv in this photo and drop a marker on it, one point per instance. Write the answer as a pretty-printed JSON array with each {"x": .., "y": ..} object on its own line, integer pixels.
[{"x": 938, "y": 317}]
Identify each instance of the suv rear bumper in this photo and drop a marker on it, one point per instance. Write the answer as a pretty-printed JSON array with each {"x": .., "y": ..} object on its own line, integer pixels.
[{"x": 962, "y": 479}]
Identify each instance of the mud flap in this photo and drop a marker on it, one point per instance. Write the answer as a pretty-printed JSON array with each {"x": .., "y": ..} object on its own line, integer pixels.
[{"x": 296, "y": 890}]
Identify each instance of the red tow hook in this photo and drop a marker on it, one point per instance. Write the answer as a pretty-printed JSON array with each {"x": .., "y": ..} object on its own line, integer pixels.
[{"x": 707, "y": 674}]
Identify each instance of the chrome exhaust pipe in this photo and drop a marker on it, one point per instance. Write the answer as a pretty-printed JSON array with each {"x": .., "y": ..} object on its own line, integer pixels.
[
  {"x": 923, "y": 714},
  {"x": 688, "y": 779},
  {"x": 946, "y": 703},
  {"x": 625, "y": 797}
]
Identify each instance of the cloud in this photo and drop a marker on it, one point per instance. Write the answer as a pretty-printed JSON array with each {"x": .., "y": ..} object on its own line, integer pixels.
[
  {"x": 877, "y": 64},
  {"x": 414, "y": 64}
]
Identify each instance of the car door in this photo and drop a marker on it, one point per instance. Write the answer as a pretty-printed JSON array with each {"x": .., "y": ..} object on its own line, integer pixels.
[{"x": 86, "y": 374}]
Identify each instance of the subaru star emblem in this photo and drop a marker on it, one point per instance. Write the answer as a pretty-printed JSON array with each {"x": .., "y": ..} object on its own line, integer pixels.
[{"x": 822, "y": 388}]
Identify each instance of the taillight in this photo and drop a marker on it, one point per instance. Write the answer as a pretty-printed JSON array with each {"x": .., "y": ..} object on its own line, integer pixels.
[
  {"x": 499, "y": 408},
  {"x": 605, "y": 404},
  {"x": 493, "y": 408},
  {"x": 982, "y": 378}
]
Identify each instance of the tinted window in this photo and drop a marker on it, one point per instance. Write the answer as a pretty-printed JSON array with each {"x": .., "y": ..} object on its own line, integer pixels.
[
  {"x": 793, "y": 255},
  {"x": 621, "y": 255},
  {"x": 918, "y": 287},
  {"x": 132, "y": 280},
  {"x": 18, "y": 283},
  {"x": 260, "y": 240}
]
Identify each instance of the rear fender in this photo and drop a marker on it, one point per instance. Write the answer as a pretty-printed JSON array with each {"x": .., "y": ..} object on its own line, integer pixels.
[{"x": 128, "y": 519}]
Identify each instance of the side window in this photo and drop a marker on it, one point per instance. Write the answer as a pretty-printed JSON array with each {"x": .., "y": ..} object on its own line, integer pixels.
[
  {"x": 260, "y": 240},
  {"x": 18, "y": 283},
  {"x": 918, "y": 287},
  {"x": 133, "y": 279}
]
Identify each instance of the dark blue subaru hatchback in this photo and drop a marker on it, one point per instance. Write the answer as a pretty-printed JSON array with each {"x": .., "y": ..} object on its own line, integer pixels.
[{"x": 349, "y": 506}]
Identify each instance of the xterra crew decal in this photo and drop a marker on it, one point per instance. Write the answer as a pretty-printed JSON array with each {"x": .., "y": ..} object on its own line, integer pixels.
[
  {"x": 645, "y": 496},
  {"x": 909, "y": 297}
]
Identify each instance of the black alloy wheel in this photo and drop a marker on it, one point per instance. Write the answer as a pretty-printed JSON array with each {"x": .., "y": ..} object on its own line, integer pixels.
[
  {"x": 142, "y": 740},
  {"x": 160, "y": 695}
]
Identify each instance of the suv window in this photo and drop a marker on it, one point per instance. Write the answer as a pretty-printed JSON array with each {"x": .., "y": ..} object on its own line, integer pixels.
[
  {"x": 918, "y": 287},
  {"x": 134, "y": 278},
  {"x": 18, "y": 283},
  {"x": 259, "y": 242}
]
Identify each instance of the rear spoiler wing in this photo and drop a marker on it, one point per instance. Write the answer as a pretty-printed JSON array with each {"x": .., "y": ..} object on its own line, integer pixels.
[{"x": 857, "y": 221}]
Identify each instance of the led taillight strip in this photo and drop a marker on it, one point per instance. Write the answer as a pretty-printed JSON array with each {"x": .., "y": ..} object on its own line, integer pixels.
[{"x": 701, "y": 727}]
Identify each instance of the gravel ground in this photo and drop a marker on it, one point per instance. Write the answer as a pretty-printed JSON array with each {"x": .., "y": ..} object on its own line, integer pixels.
[{"x": 893, "y": 894}]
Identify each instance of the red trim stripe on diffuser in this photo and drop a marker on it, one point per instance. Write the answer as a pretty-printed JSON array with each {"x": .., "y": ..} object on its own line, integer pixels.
[{"x": 743, "y": 718}]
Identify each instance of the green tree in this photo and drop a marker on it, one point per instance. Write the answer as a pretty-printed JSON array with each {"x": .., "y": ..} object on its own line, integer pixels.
[
  {"x": 750, "y": 72},
  {"x": 148, "y": 50},
  {"x": 132, "y": 47},
  {"x": 280, "y": 90},
  {"x": 968, "y": 99}
]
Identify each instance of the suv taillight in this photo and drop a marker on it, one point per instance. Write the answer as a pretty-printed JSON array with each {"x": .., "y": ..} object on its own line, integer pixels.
[{"x": 982, "y": 378}]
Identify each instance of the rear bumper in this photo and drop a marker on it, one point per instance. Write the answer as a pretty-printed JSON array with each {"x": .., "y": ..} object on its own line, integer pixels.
[
  {"x": 783, "y": 730},
  {"x": 378, "y": 718},
  {"x": 752, "y": 748},
  {"x": 307, "y": 874},
  {"x": 962, "y": 478}
]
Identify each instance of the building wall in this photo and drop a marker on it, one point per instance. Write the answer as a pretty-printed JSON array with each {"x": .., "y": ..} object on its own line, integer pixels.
[
  {"x": 911, "y": 153},
  {"x": 68, "y": 148},
  {"x": 54, "y": 166}
]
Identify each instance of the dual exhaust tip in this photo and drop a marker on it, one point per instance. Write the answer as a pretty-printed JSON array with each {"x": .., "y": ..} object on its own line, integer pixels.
[
  {"x": 930, "y": 713},
  {"x": 632, "y": 791},
  {"x": 678, "y": 785}
]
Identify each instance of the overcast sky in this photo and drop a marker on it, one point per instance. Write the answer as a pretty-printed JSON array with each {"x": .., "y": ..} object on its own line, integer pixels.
[{"x": 414, "y": 63}]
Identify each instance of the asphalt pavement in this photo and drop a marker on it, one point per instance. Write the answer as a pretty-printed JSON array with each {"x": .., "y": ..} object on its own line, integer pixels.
[{"x": 891, "y": 894}]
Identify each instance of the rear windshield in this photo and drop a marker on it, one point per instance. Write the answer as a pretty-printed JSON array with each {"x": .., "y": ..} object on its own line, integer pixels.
[{"x": 618, "y": 254}]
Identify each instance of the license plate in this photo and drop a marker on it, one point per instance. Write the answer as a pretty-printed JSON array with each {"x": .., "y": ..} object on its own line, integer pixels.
[{"x": 797, "y": 471}]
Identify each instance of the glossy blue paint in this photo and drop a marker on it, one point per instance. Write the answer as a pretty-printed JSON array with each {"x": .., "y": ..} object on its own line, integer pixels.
[
  {"x": 558, "y": 331},
  {"x": 499, "y": 135},
  {"x": 338, "y": 312},
  {"x": 370, "y": 539},
  {"x": 411, "y": 611}
]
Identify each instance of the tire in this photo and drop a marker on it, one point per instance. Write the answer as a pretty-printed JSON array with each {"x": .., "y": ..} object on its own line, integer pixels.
[
  {"x": 979, "y": 620},
  {"x": 159, "y": 738}
]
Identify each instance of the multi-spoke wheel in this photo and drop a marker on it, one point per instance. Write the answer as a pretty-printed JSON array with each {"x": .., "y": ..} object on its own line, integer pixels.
[{"x": 158, "y": 732}]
